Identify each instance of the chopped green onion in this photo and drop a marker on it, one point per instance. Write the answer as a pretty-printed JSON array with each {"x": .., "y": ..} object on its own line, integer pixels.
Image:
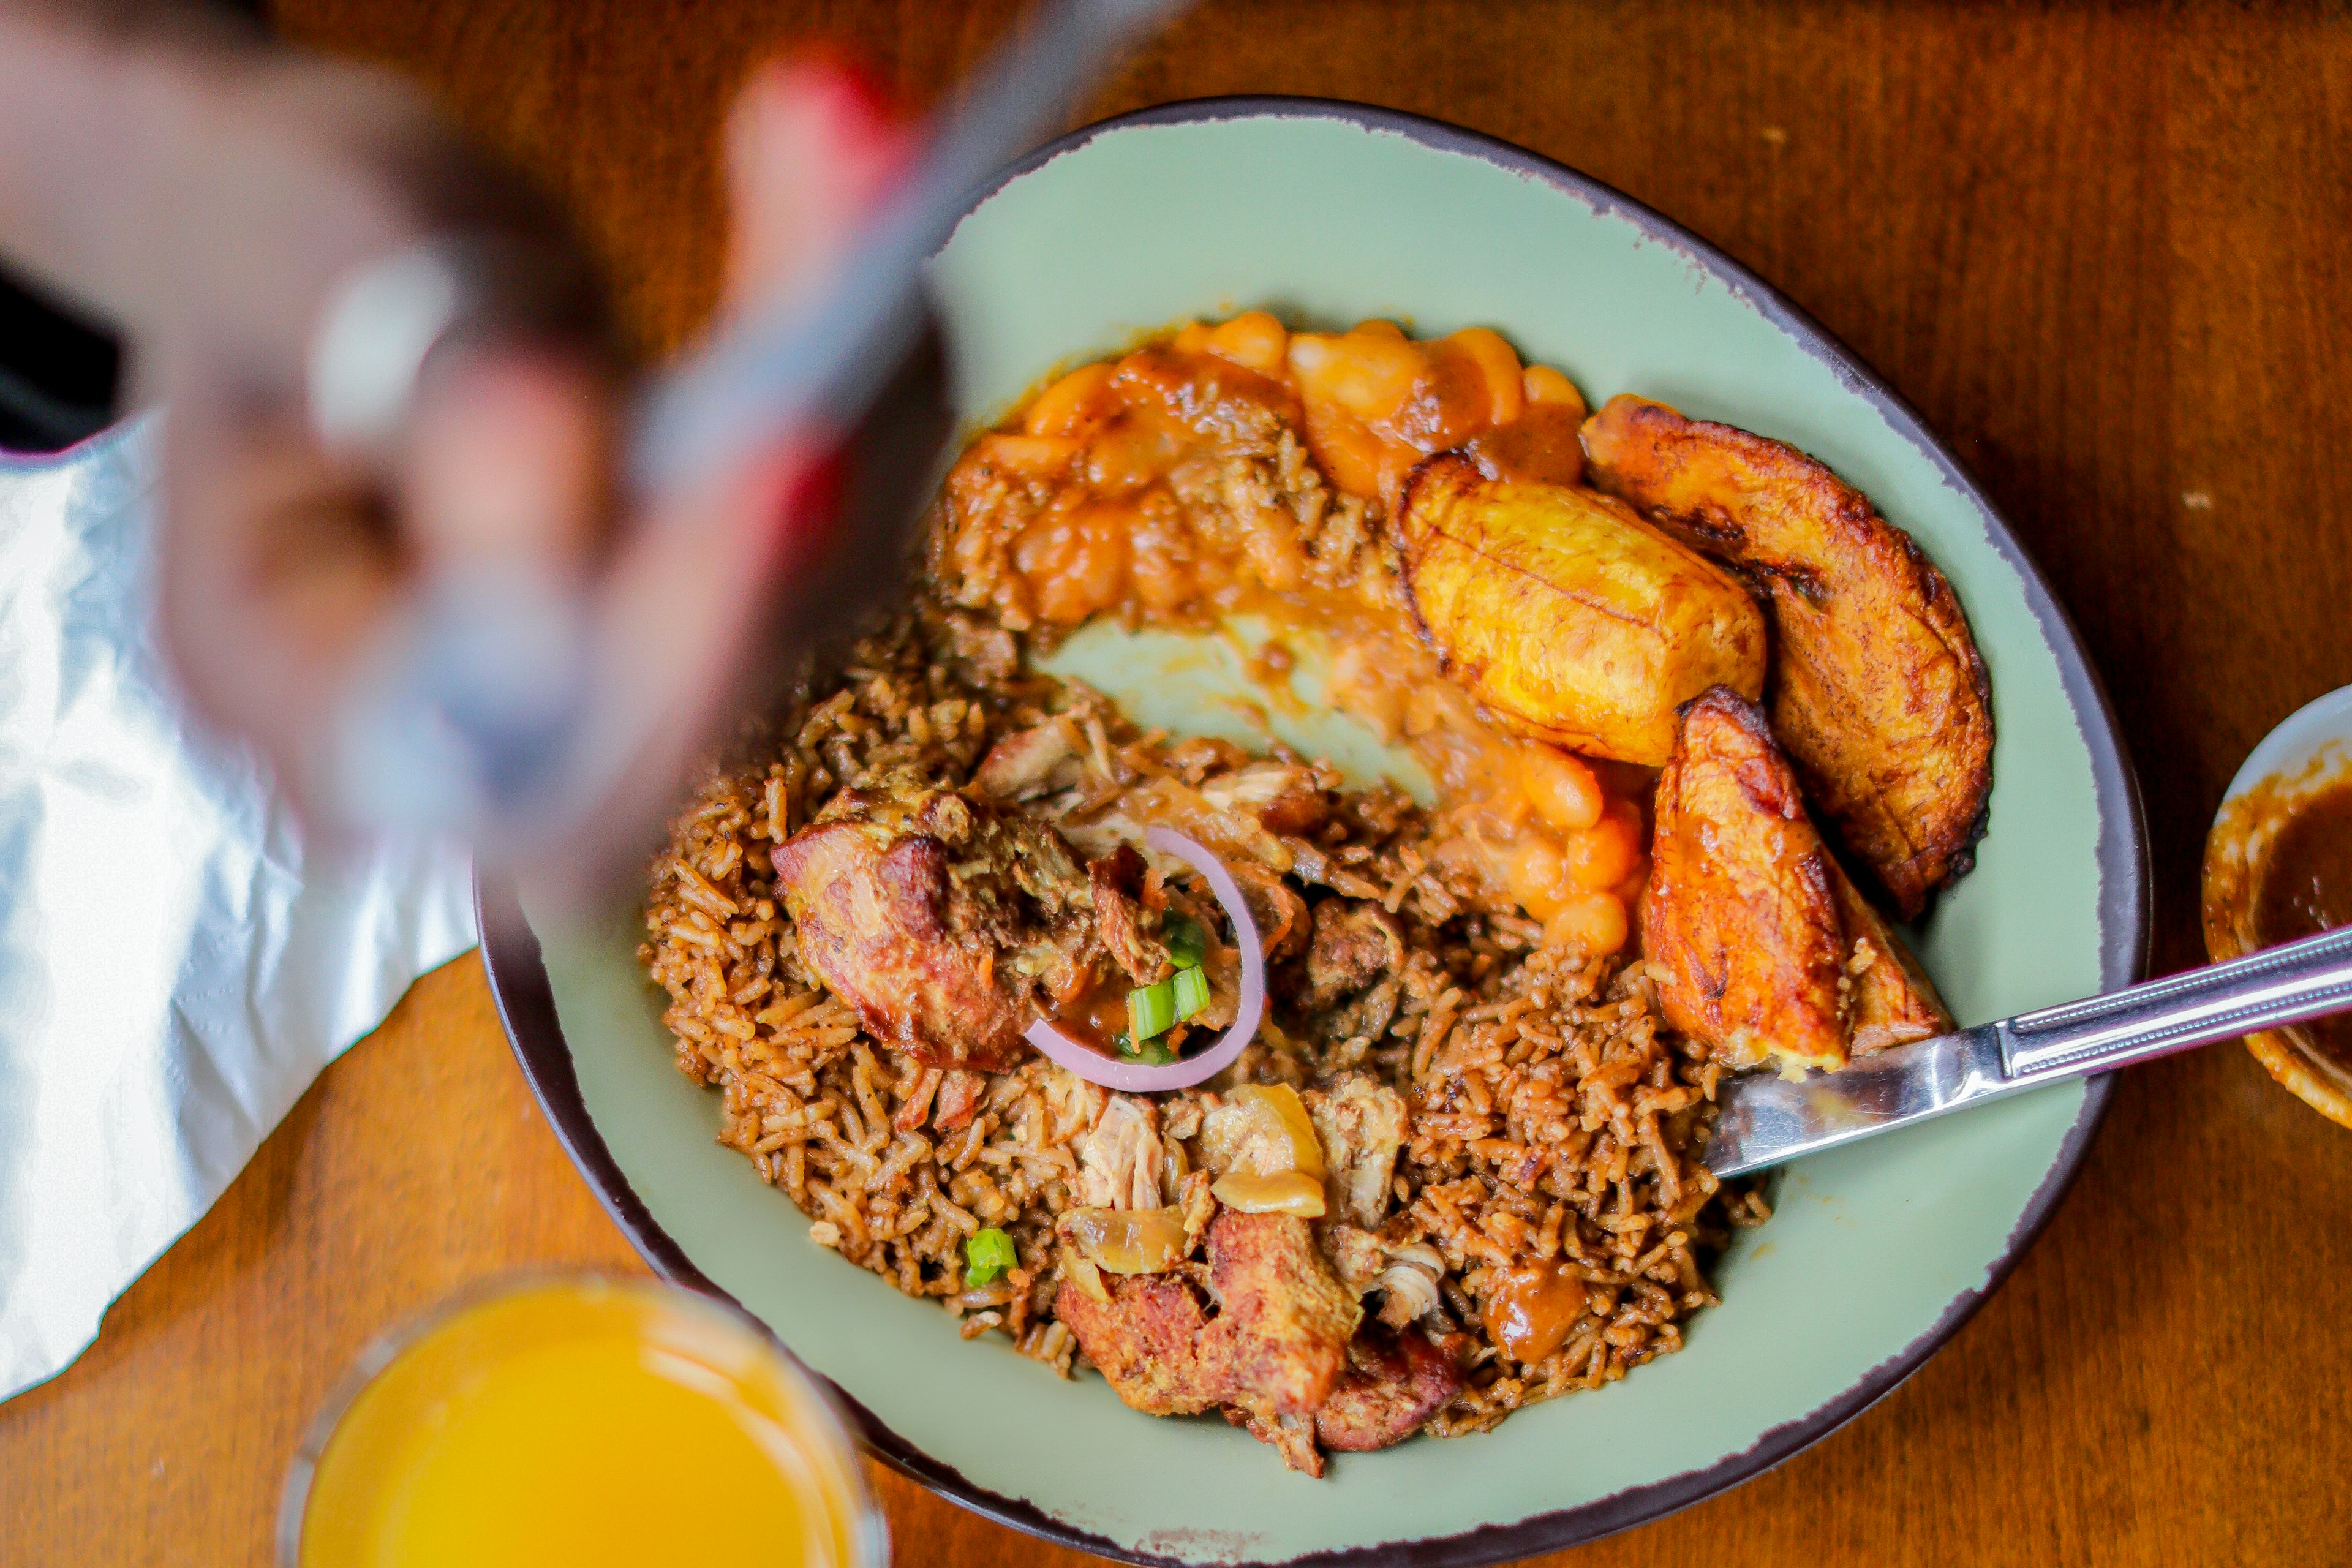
[
  {"x": 989, "y": 1252},
  {"x": 1151, "y": 1052},
  {"x": 1192, "y": 987},
  {"x": 1151, "y": 1009},
  {"x": 1187, "y": 944}
]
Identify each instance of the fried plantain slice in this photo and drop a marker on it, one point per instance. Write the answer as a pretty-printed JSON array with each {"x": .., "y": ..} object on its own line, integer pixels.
[
  {"x": 1768, "y": 950},
  {"x": 1894, "y": 1002},
  {"x": 1740, "y": 911},
  {"x": 1567, "y": 614},
  {"x": 1877, "y": 689}
]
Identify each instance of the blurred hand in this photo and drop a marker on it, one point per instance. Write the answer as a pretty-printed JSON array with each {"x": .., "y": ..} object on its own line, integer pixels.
[{"x": 284, "y": 562}]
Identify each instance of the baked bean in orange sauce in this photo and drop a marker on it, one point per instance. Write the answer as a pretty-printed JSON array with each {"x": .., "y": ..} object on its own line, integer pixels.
[{"x": 1163, "y": 487}]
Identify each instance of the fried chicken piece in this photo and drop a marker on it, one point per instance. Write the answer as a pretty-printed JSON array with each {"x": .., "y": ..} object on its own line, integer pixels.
[
  {"x": 1745, "y": 912},
  {"x": 1357, "y": 945},
  {"x": 1291, "y": 1318},
  {"x": 1392, "y": 1384},
  {"x": 1565, "y": 614},
  {"x": 1275, "y": 1345},
  {"x": 1293, "y": 1437},
  {"x": 1346, "y": 983},
  {"x": 1877, "y": 689},
  {"x": 1147, "y": 1340},
  {"x": 1356, "y": 1254},
  {"x": 948, "y": 923}
]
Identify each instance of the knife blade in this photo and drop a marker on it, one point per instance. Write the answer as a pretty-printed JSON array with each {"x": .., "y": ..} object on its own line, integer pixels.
[{"x": 1766, "y": 1120}]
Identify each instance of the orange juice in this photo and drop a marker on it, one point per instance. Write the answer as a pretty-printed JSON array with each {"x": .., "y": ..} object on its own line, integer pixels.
[{"x": 583, "y": 1422}]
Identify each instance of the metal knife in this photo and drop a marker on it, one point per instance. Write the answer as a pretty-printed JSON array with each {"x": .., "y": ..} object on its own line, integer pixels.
[{"x": 1767, "y": 1120}]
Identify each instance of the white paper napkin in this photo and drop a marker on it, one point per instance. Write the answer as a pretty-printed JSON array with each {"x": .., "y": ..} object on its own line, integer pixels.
[{"x": 176, "y": 965}]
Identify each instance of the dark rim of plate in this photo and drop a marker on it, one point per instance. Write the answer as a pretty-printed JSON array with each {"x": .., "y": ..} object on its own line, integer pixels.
[{"x": 526, "y": 1003}]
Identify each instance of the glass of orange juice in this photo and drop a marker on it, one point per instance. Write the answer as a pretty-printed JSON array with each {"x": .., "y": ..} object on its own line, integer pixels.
[{"x": 585, "y": 1421}]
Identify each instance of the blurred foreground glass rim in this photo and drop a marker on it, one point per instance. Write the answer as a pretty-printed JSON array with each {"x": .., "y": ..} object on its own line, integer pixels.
[{"x": 867, "y": 1532}]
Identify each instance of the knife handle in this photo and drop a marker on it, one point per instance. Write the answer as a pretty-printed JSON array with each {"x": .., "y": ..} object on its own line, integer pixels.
[{"x": 2265, "y": 990}]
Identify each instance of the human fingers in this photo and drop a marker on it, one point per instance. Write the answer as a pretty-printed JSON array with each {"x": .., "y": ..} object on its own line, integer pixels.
[
  {"x": 713, "y": 591},
  {"x": 278, "y": 566},
  {"x": 504, "y": 463},
  {"x": 812, "y": 148}
]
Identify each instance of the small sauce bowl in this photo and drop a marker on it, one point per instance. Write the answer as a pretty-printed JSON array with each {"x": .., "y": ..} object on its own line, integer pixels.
[{"x": 2309, "y": 755}]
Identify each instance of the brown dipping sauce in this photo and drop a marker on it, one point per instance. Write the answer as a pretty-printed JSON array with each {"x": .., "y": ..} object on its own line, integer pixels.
[
  {"x": 1097, "y": 1016},
  {"x": 2306, "y": 888}
]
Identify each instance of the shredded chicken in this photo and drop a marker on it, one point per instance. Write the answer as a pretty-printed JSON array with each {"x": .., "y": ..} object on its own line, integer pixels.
[
  {"x": 1120, "y": 1162},
  {"x": 1072, "y": 1104},
  {"x": 1118, "y": 887},
  {"x": 1361, "y": 1122},
  {"x": 1034, "y": 762},
  {"x": 959, "y": 1097},
  {"x": 1281, "y": 797}
]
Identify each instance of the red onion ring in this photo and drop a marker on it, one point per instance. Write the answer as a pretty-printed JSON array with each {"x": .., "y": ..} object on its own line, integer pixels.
[{"x": 1138, "y": 1076}]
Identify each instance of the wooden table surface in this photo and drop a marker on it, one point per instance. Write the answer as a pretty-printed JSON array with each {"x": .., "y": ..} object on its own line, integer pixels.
[{"x": 2103, "y": 249}]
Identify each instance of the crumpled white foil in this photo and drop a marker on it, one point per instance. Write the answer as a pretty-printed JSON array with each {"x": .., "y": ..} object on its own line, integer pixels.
[{"x": 176, "y": 964}]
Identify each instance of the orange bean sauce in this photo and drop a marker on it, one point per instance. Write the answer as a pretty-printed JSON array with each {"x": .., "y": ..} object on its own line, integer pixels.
[{"x": 1112, "y": 443}]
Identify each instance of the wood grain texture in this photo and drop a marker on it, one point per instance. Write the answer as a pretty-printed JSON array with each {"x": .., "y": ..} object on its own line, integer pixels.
[{"x": 2102, "y": 248}]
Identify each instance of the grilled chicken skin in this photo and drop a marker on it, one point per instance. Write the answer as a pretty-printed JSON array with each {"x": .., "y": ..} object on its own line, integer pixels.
[
  {"x": 1768, "y": 951},
  {"x": 1276, "y": 1346},
  {"x": 951, "y": 922},
  {"x": 1392, "y": 1384},
  {"x": 1877, "y": 689}
]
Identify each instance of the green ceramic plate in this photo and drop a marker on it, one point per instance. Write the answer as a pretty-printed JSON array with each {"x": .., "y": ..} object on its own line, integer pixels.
[{"x": 1329, "y": 213}]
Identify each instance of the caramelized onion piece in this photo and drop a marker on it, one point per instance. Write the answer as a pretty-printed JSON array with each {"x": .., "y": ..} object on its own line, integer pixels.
[
  {"x": 1080, "y": 1270},
  {"x": 1261, "y": 1129},
  {"x": 1127, "y": 1241},
  {"x": 1290, "y": 1193}
]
